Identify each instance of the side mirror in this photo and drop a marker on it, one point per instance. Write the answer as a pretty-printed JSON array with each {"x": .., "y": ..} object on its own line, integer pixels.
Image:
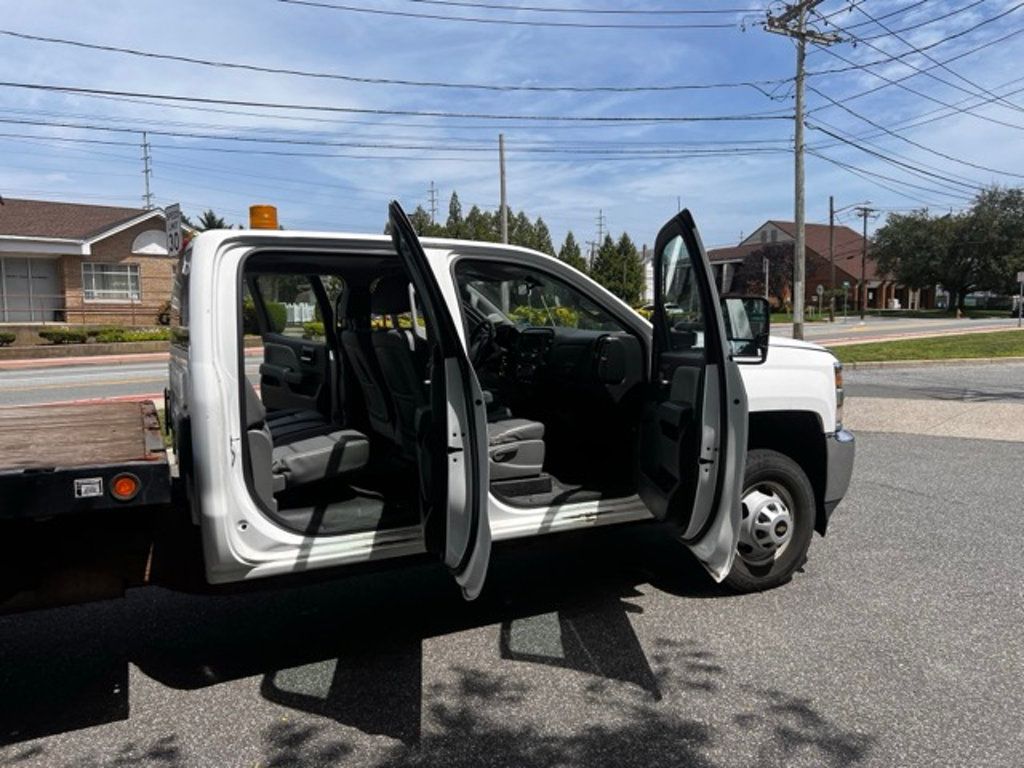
[{"x": 747, "y": 322}]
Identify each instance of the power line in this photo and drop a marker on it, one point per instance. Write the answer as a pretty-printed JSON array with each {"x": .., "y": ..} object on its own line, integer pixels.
[
  {"x": 220, "y": 64},
  {"x": 954, "y": 107},
  {"x": 595, "y": 11},
  {"x": 928, "y": 71},
  {"x": 510, "y": 22},
  {"x": 847, "y": 30},
  {"x": 913, "y": 143},
  {"x": 938, "y": 63},
  {"x": 899, "y": 57},
  {"x": 873, "y": 177},
  {"x": 892, "y": 161},
  {"x": 405, "y": 112}
]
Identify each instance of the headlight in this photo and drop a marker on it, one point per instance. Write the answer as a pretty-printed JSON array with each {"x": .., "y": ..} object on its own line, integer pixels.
[{"x": 838, "y": 370}]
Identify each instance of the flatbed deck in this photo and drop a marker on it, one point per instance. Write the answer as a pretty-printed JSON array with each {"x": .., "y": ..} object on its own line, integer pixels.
[
  {"x": 44, "y": 437},
  {"x": 58, "y": 459}
]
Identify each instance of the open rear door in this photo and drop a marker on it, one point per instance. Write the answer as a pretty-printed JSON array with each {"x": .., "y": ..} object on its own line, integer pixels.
[
  {"x": 453, "y": 439},
  {"x": 694, "y": 436}
]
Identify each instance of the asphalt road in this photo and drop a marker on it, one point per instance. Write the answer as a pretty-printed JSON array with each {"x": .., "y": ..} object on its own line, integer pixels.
[
  {"x": 899, "y": 644},
  {"x": 853, "y": 329},
  {"x": 63, "y": 383},
  {"x": 985, "y": 382}
]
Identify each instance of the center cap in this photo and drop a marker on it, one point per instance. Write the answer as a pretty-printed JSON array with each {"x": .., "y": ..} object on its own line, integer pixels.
[{"x": 781, "y": 528}]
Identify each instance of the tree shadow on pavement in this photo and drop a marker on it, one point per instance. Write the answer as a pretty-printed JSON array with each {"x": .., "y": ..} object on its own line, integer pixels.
[{"x": 351, "y": 651}]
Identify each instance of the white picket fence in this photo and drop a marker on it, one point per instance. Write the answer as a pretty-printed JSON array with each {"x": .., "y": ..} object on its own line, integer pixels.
[{"x": 299, "y": 313}]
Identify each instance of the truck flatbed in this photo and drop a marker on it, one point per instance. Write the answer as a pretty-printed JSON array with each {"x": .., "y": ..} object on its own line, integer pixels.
[{"x": 65, "y": 458}]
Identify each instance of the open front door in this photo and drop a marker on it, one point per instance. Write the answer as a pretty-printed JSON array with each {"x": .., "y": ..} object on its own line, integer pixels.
[
  {"x": 452, "y": 439},
  {"x": 694, "y": 436}
]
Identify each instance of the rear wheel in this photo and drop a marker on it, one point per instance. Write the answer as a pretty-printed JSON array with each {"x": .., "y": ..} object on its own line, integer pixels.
[{"x": 776, "y": 525}]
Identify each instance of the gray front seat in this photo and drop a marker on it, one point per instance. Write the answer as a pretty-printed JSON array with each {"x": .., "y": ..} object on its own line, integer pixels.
[
  {"x": 280, "y": 465},
  {"x": 516, "y": 446}
]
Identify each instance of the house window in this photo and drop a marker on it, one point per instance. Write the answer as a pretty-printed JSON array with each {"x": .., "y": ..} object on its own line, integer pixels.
[
  {"x": 775, "y": 235},
  {"x": 110, "y": 282},
  {"x": 764, "y": 236}
]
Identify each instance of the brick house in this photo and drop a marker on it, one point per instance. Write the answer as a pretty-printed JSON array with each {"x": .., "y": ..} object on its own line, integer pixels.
[
  {"x": 77, "y": 263},
  {"x": 882, "y": 291}
]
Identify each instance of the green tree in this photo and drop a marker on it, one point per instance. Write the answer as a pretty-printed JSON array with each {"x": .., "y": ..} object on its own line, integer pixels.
[
  {"x": 454, "y": 226},
  {"x": 208, "y": 220},
  {"x": 618, "y": 267},
  {"x": 542, "y": 238},
  {"x": 921, "y": 250},
  {"x": 570, "y": 253},
  {"x": 482, "y": 226},
  {"x": 995, "y": 228},
  {"x": 520, "y": 230}
]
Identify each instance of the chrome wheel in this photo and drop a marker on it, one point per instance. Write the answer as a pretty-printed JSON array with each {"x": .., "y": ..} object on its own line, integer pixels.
[{"x": 766, "y": 524}]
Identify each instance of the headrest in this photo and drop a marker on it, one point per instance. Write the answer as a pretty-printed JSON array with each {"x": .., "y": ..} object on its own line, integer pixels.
[{"x": 390, "y": 295}]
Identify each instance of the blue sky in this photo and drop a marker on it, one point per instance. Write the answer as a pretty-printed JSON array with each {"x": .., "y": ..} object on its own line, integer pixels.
[{"x": 553, "y": 168}]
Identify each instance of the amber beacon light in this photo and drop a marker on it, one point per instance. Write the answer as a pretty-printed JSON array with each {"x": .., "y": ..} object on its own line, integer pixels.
[{"x": 262, "y": 217}]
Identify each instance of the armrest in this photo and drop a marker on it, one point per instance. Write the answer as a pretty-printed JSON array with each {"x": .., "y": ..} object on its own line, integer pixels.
[{"x": 280, "y": 373}]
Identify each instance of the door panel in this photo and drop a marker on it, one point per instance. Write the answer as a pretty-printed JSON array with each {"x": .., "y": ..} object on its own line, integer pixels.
[
  {"x": 294, "y": 374},
  {"x": 694, "y": 430},
  {"x": 453, "y": 447}
]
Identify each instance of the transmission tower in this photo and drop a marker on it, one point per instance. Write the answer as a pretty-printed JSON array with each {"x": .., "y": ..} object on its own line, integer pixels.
[{"x": 147, "y": 171}]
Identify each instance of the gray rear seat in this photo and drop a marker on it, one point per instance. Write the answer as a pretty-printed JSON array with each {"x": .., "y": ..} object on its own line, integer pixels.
[{"x": 278, "y": 463}]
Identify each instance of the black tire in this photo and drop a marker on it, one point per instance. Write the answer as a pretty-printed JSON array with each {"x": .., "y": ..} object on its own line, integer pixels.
[{"x": 780, "y": 470}]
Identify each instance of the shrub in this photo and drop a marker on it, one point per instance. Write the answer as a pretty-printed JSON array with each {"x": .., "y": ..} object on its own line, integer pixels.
[
  {"x": 92, "y": 333},
  {"x": 118, "y": 335},
  {"x": 64, "y": 335},
  {"x": 6, "y": 338},
  {"x": 250, "y": 323},
  {"x": 313, "y": 330}
]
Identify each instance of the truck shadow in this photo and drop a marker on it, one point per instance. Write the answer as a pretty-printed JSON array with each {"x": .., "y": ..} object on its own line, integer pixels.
[{"x": 352, "y": 651}]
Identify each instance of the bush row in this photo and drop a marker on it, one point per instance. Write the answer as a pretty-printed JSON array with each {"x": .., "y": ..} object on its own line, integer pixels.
[
  {"x": 6, "y": 338},
  {"x": 250, "y": 322},
  {"x": 102, "y": 335}
]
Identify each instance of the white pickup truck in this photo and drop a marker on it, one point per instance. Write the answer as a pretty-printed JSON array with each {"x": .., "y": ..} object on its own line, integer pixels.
[{"x": 466, "y": 393}]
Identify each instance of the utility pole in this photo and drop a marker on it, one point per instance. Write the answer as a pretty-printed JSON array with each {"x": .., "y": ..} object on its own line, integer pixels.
[
  {"x": 147, "y": 171},
  {"x": 832, "y": 257},
  {"x": 792, "y": 22},
  {"x": 600, "y": 227},
  {"x": 864, "y": 211},
  {"x": 504, "y": 196},
  {"x": 433, "y": 203}
]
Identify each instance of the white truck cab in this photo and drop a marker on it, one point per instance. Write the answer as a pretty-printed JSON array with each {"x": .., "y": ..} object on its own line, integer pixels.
[{"x": 464, "y": 393}]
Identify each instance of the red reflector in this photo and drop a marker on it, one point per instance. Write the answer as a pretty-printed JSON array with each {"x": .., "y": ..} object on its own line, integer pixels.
[{"x": 125, "y": 487}]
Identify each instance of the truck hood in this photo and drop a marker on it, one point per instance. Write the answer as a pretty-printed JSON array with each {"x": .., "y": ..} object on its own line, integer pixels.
[{"x": 782, "y": 341}]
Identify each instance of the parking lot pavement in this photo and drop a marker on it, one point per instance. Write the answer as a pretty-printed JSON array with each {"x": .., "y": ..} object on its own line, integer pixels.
[
  {"x": 899, "y": 644},
  {"x": 978, "y": 401}
]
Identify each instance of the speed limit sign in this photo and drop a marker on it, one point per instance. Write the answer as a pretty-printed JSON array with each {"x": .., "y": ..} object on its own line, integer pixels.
[{"x": 172, "y": 215}]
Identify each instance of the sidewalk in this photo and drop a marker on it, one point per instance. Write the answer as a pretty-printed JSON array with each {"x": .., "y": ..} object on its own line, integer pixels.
[
  {"x": 99, "y": 360},
  {"x": 939, "y": 418}
]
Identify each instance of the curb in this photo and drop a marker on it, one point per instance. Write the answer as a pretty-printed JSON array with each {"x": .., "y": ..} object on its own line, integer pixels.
[
  {"x": 937, "y": 362},
  {"x": 125, "y": 358}
]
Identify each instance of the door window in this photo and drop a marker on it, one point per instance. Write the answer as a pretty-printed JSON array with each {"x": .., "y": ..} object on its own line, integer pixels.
[
  {"x": 684, "y": 315},
  {"x": 522, "y": 296}
]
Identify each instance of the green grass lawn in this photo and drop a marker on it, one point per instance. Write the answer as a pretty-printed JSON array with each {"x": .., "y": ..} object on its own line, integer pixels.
[{"x": 998, "y": 344}]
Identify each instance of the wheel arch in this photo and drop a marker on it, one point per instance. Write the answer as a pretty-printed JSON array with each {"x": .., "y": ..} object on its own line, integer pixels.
[{"x": 800, "y": 436}]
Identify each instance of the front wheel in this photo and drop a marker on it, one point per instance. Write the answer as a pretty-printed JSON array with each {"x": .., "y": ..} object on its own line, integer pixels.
[{"x": 776, "y": 525}]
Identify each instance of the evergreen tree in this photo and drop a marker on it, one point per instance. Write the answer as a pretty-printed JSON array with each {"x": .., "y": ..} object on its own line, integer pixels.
[
  {"x": 481, "y": 226},
  {"x": 454, "y": 226},
  {"x": 619, "y": 268},
  {"x": 570, "y": 253},
  {"x": 520, "y": 230},
  {"x": 542, "y": 238}
]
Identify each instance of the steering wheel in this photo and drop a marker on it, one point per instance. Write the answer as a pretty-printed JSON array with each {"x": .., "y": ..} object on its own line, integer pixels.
[{"x": 481, "y": 339}]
